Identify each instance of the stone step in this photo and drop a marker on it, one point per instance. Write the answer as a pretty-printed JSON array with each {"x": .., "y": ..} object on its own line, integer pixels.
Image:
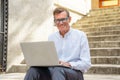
[
  {"x": 91, "y": 19},
  {"x": 114, "y": 8},
  {"x": 102, "y": 28},
  {"x": 109, "y": 16},
  {"x": 104, "y": 12},
  {"x": 95, "y": 69},
  {"x": 104, "y": 38},
  {"x": 94, "y": 33},
  {"x": 105, "y": 60},
  {"x": 20, "y": 76},
  {"x": 104, "y": 69},
  {"x": 87, "y": 25},
  {"x": 100, "y": 13},
  {"x": 105, "y": 51},
  {"x": 104, "y": 44},
  {"x": 101, "y": 77},
  {"x": 21, "y": 68}
]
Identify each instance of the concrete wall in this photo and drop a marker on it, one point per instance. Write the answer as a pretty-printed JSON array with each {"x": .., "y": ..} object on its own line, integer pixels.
[
  {"x": 31, "y": 20},
  {"x": 28, "y": 21}
]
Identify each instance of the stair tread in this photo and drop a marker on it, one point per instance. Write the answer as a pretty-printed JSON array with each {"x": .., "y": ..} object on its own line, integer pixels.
[
  {"x": 20, "y": 65},
  {"x": 107, "y": 48},
  {"x": 20, "y": 76},
  {"x": 103, "y": 31},
  {"x": 111, "y": 65},
  {"x": 93, "y": 65},
  {"x": 103, "y": 17},
  {"x": 104, "y": 35},
  {"x": 105, "y": 42},
  {"x": 114, "y": 7},
  {"x": 105, "y": 56},
  {"x": 108, "y": 26},
  {"x": 105, "y": 65}
]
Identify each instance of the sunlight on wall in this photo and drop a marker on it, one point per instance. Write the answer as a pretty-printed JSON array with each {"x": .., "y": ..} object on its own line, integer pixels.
[
  {"x": 82, "y": 6},
  {"x": 25, "y": 17}
]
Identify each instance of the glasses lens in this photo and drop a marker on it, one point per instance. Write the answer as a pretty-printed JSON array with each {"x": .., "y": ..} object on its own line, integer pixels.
[{"x": 61, "y": 20}]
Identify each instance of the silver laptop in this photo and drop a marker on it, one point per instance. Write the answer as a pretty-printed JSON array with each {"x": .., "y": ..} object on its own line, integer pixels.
[{"x": 40, "y": 53}]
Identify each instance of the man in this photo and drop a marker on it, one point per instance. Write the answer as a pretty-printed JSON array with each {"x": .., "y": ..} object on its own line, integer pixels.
[{"x": 72, "y": 49}]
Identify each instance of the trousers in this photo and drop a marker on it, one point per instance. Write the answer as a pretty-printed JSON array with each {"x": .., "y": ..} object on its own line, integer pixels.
[{"x": 53, "y": 73}]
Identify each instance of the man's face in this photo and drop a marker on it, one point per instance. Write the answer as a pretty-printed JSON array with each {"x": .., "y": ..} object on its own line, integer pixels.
[{"x": 62, "y": 22}]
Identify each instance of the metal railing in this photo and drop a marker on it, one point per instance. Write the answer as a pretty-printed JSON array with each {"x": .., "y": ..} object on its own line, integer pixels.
[{"x": 4, "y": 27}]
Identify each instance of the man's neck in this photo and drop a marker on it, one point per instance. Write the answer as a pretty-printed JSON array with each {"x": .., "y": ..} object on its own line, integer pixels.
[{"x": 63, "y": 33}]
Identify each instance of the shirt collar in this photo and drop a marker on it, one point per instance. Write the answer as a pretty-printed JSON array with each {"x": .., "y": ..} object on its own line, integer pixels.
[{"x": 66, "y": 35}]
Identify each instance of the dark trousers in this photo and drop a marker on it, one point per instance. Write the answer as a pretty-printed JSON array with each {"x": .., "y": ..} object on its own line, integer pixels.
[{"x": 53, "y": 73}]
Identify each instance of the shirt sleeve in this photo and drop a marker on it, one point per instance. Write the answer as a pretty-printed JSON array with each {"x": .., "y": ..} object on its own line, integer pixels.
[{"x": 84, "y": 63}]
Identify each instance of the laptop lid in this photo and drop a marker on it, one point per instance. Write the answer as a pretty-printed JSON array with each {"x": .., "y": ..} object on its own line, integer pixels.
[{"x": 40, "y": 53}]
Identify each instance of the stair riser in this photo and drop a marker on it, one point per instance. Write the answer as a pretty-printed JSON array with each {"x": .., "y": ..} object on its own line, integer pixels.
[
  {"x": 98, "y": 29},
  {"x": 106, "y": 22},
  {"x": 101, "y": 10},
  {"x": 105, "y": 52},
  {"x": 103, "y": 33},
  {"x": 18, "y": 69},
  {"x": 102, "y": 13},
  {"x": 95, "y": 25},
  {"x": 105, "y": 60},
  {"x": 106, "y": 9},
  {"x": 98, "y": 20},
  {"x": 104, "y": 70},
  {"x": 103, "y": 17},
  {"x": 104, "y": 44},
  {"x": 93, "y": 70},
  {"x": 103, "y": 38}
]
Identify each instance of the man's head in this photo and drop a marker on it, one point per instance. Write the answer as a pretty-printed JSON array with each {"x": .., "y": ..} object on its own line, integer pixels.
[
  {"x": 62, "y": 19},
  {"x": 59, "y": 10}
]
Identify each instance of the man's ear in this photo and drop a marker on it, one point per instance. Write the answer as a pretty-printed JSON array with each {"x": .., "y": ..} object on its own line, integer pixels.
[{"x": 69, "y": 19}]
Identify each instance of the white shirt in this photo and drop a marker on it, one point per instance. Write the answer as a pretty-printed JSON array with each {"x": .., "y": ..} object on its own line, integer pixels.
[{"x": 73, "y": 48}]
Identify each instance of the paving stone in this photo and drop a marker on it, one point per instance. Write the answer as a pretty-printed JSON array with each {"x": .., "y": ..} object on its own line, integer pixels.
[{"x": 20, "y": 76}]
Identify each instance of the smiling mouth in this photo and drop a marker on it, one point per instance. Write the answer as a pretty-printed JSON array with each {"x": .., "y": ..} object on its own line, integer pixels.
[{"x": 63, "y": 25}]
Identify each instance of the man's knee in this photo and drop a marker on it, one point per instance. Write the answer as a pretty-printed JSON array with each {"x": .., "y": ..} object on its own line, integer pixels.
[
  {"x": 32, "y": 73},
  {"x": 58, "y": 70},
  {"x": 37, "y": 73}
]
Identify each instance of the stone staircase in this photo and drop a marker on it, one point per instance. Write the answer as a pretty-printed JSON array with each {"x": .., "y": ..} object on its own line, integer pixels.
[{"x": 102, "y": 27}]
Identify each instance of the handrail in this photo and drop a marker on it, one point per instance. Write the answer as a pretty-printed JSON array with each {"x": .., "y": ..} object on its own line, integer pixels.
[{"x": 76, "y": 12}]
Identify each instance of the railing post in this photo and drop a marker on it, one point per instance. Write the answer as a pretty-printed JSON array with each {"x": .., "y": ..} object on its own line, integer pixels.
[{"x": 3, "y": 35}]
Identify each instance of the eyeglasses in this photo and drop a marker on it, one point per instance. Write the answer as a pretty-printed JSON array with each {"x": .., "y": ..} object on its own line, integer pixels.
[{"x": 61, "y": 20}]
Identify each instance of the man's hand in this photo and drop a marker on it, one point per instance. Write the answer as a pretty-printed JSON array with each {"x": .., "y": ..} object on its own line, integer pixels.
[{"x": 65, "y": 63}]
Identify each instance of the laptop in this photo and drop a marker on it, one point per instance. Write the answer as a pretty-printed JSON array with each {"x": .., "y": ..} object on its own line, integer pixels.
[{"x": 40, "y": 53}]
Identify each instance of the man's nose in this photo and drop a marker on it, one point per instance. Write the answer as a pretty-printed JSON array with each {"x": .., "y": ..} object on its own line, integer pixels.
[{"x": 61, "y": 22}]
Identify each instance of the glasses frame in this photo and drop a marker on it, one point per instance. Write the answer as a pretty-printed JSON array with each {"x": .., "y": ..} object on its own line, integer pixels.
[{"x": 57, "y": 21}]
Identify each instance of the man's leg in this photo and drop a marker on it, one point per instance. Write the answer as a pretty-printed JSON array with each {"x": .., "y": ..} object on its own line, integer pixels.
[
  {"x": 62, "y": 73},
  {"x": 38, "y": 73}
]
